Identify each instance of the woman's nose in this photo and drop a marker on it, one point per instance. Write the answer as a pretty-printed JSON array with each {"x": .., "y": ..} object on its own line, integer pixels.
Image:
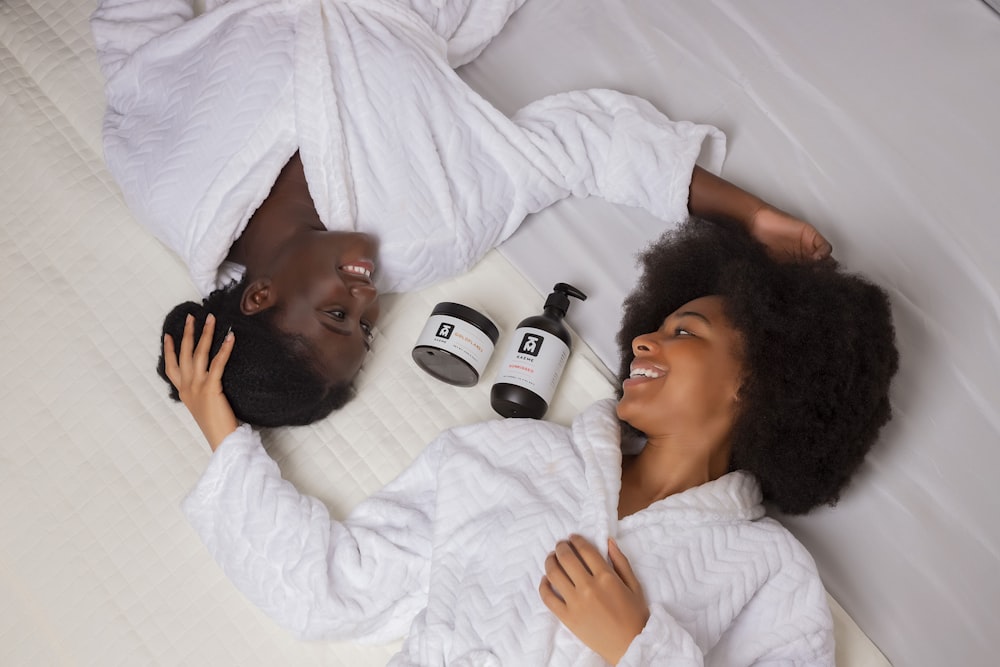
[
  {"x": 364, "y": 292},
  {"x": 644, "y": 343}
]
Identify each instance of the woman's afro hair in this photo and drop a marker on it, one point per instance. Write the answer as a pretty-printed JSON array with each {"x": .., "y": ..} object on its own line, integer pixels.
[
  {"x": 818, "y": 352},
  {"x": 270, "y": 379}
]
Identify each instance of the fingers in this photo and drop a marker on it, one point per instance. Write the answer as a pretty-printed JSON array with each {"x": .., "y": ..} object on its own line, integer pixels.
[
  {"x": 588, "y": 553},
  {"x": 187, "y": 345},
  {"x": 204, "y": 343},
  {"x": 572, "y": 564},
  {"x": 170, "y": 360},
  {"x": 192, "y": 363},
  {"x": 221, "y": 357},
  {"x": 556, "y": 574},
  {"x": 821, "y": 247},
  {"x": 550, "y": 597},
  {"x": 622, "y": 567}
]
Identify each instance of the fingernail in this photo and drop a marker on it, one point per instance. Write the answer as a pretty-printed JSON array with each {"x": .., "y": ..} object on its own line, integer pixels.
[
  {"x": 229, "y": 334},
  {"x": 189, "y": 318}
]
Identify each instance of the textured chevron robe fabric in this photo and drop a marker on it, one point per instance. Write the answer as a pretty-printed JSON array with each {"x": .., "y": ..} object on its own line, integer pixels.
[
  {"x": 203, "y": 112},
  {"x": 451, "y": 553}
]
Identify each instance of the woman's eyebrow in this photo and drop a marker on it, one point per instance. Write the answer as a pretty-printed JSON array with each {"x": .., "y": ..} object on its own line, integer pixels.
[{"x": 694, "y": 313}]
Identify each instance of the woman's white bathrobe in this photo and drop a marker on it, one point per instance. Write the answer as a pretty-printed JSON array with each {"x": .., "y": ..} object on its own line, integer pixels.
[
  {"x": 203, "y": 112},
  {"x": 451, "y": 553}
]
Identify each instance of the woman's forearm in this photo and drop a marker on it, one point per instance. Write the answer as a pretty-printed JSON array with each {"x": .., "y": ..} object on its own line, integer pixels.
[
  {"x": 714, "y": 198},
  {"x": 785, "y": 236}
]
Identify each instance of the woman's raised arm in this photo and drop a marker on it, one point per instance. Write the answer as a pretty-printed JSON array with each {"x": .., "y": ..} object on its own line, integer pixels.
[{"x": 714, "y": 198}]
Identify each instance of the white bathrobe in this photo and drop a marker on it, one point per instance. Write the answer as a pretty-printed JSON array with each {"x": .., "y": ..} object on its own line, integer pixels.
[
  {"x": 451, "y": 553},
  {"x": 203, "y": 112}
]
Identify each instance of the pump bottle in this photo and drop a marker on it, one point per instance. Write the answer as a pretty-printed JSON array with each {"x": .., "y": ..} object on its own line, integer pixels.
[{"x": 535, "y": 360}]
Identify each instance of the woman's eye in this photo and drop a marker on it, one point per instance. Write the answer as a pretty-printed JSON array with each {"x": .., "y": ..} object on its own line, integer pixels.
[{"x": 680, "y": 331}]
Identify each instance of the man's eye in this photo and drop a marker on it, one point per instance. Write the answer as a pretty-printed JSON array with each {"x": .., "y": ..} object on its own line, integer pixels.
[
  {"x": 368, "y": 330},
  {"x": 338, "y": 315}
]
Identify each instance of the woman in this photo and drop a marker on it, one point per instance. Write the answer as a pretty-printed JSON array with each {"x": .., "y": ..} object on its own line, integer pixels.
[
  {"x": 745, "y": 380},
  {"x": 258, "y": 139}
]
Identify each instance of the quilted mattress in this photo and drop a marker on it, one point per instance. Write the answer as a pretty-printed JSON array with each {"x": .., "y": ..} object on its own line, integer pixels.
[{"x": 97, "y": 565}]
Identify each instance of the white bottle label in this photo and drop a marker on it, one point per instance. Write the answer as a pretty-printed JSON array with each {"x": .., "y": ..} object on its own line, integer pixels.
[
  {"x": 458, "y": 337},
  {"x": 535, "y": 361}
]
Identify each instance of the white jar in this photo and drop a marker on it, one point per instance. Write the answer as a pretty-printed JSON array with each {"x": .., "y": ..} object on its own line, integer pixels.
[{"x": 456, "y": 344}]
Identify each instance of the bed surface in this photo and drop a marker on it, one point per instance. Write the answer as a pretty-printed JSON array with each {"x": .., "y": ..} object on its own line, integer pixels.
[{"x": 875, "y": 122}]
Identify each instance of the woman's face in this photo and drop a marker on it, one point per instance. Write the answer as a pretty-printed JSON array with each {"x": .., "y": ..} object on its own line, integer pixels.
[
  {"x": 686, "y": 375},
  {"x": 322, "y": 290}
]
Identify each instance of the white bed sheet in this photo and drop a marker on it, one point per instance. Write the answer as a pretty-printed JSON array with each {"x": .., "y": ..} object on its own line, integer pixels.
[{"x": 97, "y": 565}]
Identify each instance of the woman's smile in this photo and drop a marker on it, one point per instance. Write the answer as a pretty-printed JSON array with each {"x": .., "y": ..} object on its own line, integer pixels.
[
  {"x": 642, "y": 372},
  {"x": 363, "y": 268}
]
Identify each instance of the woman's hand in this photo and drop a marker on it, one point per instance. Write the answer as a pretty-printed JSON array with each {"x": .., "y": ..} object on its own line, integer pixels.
[
  {"x": 199, "y": 383},
  {"x": 601, "y": 603},
  {"x": 787, "y": 237}
]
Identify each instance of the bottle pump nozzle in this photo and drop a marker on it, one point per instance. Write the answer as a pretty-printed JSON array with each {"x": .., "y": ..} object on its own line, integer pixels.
[{"x": 558, "y": 300}]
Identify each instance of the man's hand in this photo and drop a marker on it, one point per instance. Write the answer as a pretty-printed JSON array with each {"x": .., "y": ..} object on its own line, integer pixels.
[
  {"x": 199, "y": 383},
  {"x": 601, "y": 603}
]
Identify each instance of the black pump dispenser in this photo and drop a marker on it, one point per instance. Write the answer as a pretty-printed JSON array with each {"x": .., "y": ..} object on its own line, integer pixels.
[
  {"x": 536, "y": 358},
  {"x": 557, "y": 304}
]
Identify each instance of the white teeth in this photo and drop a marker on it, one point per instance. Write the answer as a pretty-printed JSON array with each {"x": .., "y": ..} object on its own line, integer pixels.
[
  {"x": 645, "y": 372},
  {"x": 357, "y": 270}
]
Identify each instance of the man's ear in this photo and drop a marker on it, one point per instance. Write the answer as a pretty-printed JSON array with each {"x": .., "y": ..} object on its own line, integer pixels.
[{"x": 257, "y": 297}]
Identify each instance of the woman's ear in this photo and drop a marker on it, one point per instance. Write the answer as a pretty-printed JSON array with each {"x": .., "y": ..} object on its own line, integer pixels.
[{"x": 257, "y": 297}]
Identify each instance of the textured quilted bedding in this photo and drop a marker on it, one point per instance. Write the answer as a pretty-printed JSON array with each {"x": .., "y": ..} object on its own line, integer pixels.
[{"x": 97, "y": 565}]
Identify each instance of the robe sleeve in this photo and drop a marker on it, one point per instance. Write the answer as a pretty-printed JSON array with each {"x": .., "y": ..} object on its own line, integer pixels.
[
  {"x": 364, "y": 578},
  {"x": 814, "y": 649},
  {"x": 662, "y": 642},
  {"x": 467, "y": 26},
  {"x": 792, "y": 632},
  {"x": 615, "y": 146},
  {"x": 120, "y": 27},
  {"x": 803, "y": 641}
]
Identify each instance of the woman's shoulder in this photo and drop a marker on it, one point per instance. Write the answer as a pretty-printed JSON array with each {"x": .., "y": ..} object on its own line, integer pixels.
[{"x": 789, "y": 559}]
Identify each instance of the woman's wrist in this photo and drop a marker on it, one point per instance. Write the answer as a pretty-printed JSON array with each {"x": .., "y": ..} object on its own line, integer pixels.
[{"x": 217, "y": 433}]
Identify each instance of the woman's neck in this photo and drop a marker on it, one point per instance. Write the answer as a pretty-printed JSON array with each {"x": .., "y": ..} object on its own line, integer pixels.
[
  {"x": 667, "y": 467},
  {"x": 287, "y": 211}
]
